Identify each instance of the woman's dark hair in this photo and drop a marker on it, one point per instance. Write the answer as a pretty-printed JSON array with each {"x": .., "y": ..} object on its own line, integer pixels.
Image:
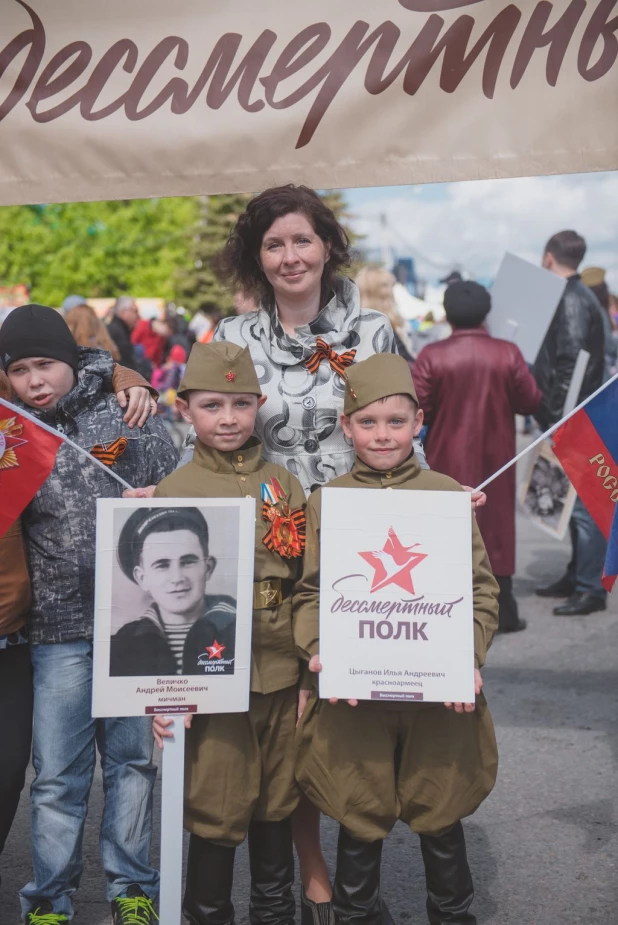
[{"x": 238, "y": 263}]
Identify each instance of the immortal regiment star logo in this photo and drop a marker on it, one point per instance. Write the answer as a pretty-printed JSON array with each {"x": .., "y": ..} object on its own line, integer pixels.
[
  {"x": 10, "y": 439},
  {"x": 393, "y": 563},
  {"x": 216, "y": 650},
  {"x": 269, "y": 596}
]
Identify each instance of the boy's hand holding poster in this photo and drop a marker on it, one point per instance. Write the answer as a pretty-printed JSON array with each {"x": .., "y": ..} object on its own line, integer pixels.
[
  {"x": 173, "y": 606},
  {"x": 396, "y": 615}
]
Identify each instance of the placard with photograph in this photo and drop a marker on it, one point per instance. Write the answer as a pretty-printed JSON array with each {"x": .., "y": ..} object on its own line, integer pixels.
[
  {"x": 396, "y": 609},
  {"x": 546, "y": 494},
  {"x": 173, "y": 606}
]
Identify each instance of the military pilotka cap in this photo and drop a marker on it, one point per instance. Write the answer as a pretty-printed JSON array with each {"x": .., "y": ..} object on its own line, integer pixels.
[
  {"x": 380, "y": 376},
  {"x": 147, "y": 520},
  {"x": 593, "y": 276},
  {"x": 220, "y": 367}
]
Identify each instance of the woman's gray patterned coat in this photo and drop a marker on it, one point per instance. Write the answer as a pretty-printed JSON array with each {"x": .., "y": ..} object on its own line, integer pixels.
[
  {"x": 299, "y": 423},
  {"x": 60, "y": 522}
]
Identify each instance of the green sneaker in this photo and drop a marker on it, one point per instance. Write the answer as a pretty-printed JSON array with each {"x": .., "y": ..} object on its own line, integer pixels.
[
  {"x": 133, "y": 909},
  {"x": 43, "y": 915}
]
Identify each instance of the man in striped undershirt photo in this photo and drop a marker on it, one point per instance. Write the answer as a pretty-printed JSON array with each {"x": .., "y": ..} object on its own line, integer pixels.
[{"x": 183, "y": 630}]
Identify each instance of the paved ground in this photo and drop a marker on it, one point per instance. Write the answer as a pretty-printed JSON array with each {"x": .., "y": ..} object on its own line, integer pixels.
[{"x": 544, "y": 846}]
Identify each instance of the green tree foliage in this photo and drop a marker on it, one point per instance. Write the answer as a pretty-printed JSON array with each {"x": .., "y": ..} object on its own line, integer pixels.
[
  {"x": 197, "y": 286},
  {"x": 96, "y": 249}
]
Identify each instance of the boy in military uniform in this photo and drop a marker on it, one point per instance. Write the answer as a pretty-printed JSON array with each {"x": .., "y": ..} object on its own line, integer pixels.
[
  {"x": 240, "y": 766},
  {"x": 426, "y": 764},
  {"x": 165, "y": 551}
]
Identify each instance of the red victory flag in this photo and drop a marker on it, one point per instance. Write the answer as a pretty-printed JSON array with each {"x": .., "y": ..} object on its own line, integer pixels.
[{"x": 27, "y": 455}]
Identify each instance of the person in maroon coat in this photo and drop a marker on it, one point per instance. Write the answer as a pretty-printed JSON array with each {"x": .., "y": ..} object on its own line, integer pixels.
[{"x": 470, "y": 387}]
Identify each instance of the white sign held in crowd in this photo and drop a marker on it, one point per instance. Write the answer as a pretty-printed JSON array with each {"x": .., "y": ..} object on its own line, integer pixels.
[
  {"x": 524, "y": 298},
  {"x": 155, "y": 571},
  {"x": 396, "y": 610}
]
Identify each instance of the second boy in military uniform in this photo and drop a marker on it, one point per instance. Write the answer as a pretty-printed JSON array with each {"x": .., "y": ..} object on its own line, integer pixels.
[
  {"x": 240, "y": 766},
  {"x": 368, "y": 765}
]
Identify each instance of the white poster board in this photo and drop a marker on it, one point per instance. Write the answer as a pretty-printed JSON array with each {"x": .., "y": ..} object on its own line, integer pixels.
[
  {"x": 396, "y": 610},
  {"x": 524, "y": 298},
  {"x": 173, "y": 606}
]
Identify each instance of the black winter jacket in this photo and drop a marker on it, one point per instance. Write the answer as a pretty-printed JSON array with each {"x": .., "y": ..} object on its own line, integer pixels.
[
  {"x": 577, "y": 325},
  {"x": 120, "y": 333},
  {"x": 60, "y": 522},
  {"x": 141, "y": 648}
]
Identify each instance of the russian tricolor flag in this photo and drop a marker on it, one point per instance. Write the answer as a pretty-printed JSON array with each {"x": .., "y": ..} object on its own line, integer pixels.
[{"x": 587, "y": 446}]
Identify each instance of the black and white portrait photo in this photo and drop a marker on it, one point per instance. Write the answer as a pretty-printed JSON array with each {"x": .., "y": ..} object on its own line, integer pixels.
[
  {"x": 184, "y": 628},
  {"x": 168, "y": 589},
  {"x": 546, "y": 494}
]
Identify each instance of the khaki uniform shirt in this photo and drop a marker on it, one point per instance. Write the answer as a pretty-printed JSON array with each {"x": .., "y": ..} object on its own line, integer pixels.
[
  {"x": 239, "y": 474},
  {"x": 409, "y": 476}
]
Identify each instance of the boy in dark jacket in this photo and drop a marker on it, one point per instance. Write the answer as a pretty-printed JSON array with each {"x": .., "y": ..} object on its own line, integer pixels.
[
  {"x": 69, "y": 388},
  {"x": 15, "y": 667},
  {"x": 240, "y": 766}
]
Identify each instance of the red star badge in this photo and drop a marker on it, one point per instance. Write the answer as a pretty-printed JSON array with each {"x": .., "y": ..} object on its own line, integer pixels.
[
  {"x": 10, "y": 439},
  {"x": 215, "y": 650},
  {"x": 393, "y": 564},
  {"x": 230, "y": 376}
]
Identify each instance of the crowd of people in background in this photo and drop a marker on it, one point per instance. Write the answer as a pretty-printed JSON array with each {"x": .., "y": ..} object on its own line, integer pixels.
[{"x": 296, "y": 310}]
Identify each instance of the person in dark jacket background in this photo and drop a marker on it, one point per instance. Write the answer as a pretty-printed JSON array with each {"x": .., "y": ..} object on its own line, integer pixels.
[
  {"x": 577, "y": 325},
  {"x": 126, "y": 316},
  {"x": 184, "y": 630},
  {"x": 470, "y": 387}
]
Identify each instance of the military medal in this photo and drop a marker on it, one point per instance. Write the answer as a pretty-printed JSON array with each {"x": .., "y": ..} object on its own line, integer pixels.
[{"x": 286, "y": 534}]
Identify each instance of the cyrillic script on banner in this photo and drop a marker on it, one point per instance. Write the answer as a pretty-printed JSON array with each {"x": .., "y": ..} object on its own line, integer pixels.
[
  {"x": 173, "y": 606},
  {"x": 396, "y": 610},
  {"x": 151, "y": 98}
]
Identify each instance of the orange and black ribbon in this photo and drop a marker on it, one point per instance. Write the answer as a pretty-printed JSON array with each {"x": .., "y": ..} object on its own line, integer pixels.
[
  {"x": 338, "y": 361},
  {"x": 287, "y": 532},
  {"x": 108, "y": 453}
]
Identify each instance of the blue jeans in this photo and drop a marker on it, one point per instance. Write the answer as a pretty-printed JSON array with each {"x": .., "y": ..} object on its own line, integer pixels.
[
  {"x": 64, "y": 755},
  {"x": 589, "y": 548}
]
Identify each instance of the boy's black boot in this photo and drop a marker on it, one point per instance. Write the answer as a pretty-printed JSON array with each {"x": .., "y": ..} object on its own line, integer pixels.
[
  {"x": 315, "y": 913},
  {"x": 356, "y": 892},
  {"x": 271, "y": 859},
  {"x": 449, "y": 883},
  {"x": 208, "y": 890}
]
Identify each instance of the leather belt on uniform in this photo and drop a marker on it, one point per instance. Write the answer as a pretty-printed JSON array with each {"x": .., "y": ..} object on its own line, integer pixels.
[{"x": 271, "y": 593}]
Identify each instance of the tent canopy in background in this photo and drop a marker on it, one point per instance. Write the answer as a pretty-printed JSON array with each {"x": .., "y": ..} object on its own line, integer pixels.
[{"x": 152, "y": 98}]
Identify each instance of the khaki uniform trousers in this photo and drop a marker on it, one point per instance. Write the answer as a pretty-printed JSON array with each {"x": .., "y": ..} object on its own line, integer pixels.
[
  {"x": 239, "y": 768},
  {"x": 370, "y": 765}
]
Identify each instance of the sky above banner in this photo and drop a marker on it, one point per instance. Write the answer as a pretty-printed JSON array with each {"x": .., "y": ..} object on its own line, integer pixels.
[{"x": 473, "y": 224}]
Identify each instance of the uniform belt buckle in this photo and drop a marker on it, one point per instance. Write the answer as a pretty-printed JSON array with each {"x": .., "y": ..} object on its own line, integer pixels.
[{"x": 267, "y": 594}]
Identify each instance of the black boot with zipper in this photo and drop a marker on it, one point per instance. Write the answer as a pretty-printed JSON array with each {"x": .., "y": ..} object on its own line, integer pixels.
[
  {"x": 208, "y": 890},
  {"x": 449, "y": 882},
  {"x": 356, "y": 893},
  {"x": 271, "y": 859}
]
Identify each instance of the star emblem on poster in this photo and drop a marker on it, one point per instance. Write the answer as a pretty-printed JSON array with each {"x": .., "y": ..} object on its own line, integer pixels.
[
  {"x": 10, "y": 439},
  {"x": 393, "y": 563},
  {"x": 215, "y": 650}
]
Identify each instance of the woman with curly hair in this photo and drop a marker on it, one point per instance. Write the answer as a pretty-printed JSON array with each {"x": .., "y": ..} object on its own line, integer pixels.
[{"x": 288, "y": 250}]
